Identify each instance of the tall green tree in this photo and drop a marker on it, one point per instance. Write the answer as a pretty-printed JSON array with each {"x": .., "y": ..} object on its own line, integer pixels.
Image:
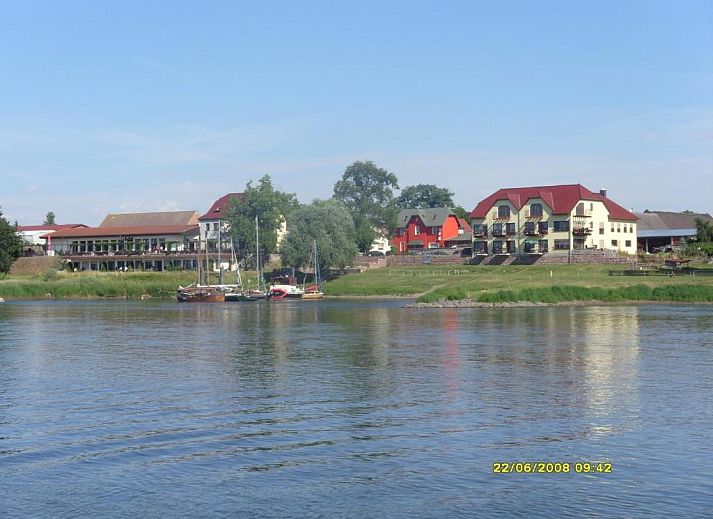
[
  {"x": 423, "y": 196},
  {"x": 49, "y": 219},
  {"x": 368, "y": 192},
  {"x": 704, "y": 230},
  {"x": 10, "y": 244},
  {"x": 270, "y": 206},
  {"x": 462, "y": 213},
  {"x": 329, "y": 222}
]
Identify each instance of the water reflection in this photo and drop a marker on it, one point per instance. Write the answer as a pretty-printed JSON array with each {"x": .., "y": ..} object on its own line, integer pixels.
[{"x": 247, "y": 408}]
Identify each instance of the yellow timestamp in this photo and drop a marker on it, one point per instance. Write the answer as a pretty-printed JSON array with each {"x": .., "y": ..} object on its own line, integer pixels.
[{"x": 546, "y": 467}]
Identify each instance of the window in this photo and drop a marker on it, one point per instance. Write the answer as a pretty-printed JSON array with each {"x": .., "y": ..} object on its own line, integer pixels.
[
  {"x": 627, "y": 243},
  {"x": 561, "y": 244},
  {"x": 510, "y": 228},
  {"x": 543, "y": 227},
  {"x": 511, "y": 247},
  {"x": 497, "y": 247},
  {"x": 580, "y": 209},
  {"x": 503, "y": 211},
  {"x": 618, "y": 228},
  {"x": 543, "y": 245},
  {"x": 601, "y": 228},
  {"x": 497, "y": 229},
  {"x": 435, "y": 230},
  {"x": 416, "y": 230},
  {"x": 535, "y": 210},
  {"x": 561, "y": 226},
  {"x": 530, "y": 228},
  {"x": 215, "y": 226},
  {"x": 612, "y": 227},
  {"x": 614, "y": 243},
  {"x": 591, "y": 206}
]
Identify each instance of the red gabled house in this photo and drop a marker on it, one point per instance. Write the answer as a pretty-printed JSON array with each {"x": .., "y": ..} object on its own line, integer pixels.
[{"x": 430, "y": 228}]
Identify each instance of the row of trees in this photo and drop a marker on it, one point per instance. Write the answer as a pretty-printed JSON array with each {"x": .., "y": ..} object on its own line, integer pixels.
[{"x": 363, "y": 205}]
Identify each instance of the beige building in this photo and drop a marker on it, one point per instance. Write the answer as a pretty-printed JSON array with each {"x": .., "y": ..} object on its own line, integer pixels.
[{"x": 536, "y": 220}]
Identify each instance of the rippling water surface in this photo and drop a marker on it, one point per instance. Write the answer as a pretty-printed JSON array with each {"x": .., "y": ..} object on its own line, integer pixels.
[{"x": 358, "y": 409}]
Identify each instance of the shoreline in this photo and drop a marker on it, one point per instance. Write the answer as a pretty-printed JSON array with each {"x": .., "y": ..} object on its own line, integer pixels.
[{"x": 468, "y": 303}]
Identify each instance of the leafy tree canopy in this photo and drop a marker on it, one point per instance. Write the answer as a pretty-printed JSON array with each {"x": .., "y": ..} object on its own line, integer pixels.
[
  {"x": 330, "y": 223},
  {"x": 367, "y": 191},
  {"x": 462, "y": 213},
  {"x": 423, "y": 196},
  {"x": 704, "y": 230},
  {"x": 271, "y": 207},
  {"x": 49, "y": 219},
  {"x": 10, "y": 244}
]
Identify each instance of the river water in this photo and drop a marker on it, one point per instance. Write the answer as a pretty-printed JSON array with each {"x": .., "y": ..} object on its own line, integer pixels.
[{"x": 352, "y": 409}]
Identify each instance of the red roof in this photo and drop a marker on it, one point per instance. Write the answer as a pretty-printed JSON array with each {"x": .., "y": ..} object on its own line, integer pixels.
[
  {"x": 221, "y": 206},
  {"x": 561, "y": 199},
  {"x": 104, "y": 232},
  {"x": 21, "y": 228},
  {"x": 462, "y": 222}
]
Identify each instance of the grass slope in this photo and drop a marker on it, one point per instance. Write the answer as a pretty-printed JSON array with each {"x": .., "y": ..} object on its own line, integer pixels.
[{"x": 549, "y": 283}]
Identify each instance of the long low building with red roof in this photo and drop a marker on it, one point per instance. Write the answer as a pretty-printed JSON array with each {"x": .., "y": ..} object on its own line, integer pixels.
[
  {"x": 155, "y": 241},
  {"x": 536, "y": 220}
]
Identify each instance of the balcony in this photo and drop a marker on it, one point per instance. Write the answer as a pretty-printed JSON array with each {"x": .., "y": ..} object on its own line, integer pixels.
[
  {"x": 531, "y": 232},
  {"x": 581, "y": 231}
]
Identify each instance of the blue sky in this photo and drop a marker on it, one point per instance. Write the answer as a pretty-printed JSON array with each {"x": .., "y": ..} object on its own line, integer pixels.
[{"x": 138, "y": 106}]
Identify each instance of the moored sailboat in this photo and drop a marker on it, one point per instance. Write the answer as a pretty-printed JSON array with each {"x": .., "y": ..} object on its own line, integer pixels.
[{"x": 314, "y": 291}]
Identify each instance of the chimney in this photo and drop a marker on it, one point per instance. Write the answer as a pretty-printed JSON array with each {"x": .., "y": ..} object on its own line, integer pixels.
[{"x": 603, "y": 191}]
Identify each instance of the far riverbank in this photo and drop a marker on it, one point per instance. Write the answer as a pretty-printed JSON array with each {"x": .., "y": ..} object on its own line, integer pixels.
[{"x": 466, "y": 285}]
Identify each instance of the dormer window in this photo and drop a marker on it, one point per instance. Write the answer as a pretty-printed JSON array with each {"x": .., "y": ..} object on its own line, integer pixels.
[{"x": 503, "y": 211}]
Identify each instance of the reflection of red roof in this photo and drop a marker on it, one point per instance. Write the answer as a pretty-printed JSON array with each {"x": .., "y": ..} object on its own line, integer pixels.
[
  {"x": 103, "y": 232},
  {"x": 22, "y": 228},
  {"x": 221, "y": 206},
  {"x": 561, "y": 199}
]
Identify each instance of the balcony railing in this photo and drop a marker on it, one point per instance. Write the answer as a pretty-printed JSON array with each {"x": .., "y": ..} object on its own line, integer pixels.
[{"x": 581, "y": 231}]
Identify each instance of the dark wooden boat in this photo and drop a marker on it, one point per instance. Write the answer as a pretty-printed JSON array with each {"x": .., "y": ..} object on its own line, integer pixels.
[{"x": 199, "y": 294}]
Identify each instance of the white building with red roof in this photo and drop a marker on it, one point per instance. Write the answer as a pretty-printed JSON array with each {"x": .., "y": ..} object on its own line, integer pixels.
[
  {"x": 213, "y": 224},
  {"x": 35, "y": 236},
  {"x": 535, "y": 220}
]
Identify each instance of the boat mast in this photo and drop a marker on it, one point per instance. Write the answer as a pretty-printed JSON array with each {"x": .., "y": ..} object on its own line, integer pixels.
[
  {"x": 257, "y": 251},
  {"x": 220, "y": 263}
]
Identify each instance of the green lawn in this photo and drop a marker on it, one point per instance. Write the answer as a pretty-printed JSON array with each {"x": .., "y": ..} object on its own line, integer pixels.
[{"x": 472, "y": 281}]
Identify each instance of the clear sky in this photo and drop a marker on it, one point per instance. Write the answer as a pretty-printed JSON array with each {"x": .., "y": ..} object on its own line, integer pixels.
[{"x": 137, "y": 105}]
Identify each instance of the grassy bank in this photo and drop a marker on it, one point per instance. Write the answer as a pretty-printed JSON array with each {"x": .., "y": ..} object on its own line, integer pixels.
[
  {"x": 560, "y": 294},
  {"x": 99, "y": 285},
  {"x": 549, "y": 284},
  {"x": 552, "y": 283}
]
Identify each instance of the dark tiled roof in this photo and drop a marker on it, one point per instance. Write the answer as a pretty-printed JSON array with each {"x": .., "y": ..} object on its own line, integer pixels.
[
  {"x": 150, "y": 219},
  {"x": 561, "y": 199},
  {"x": 430, "y": 217},
  {"x": 660, "y": 220},
  {"x": 221, "y": 206},
  {"x": 104, "y": 232}
]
